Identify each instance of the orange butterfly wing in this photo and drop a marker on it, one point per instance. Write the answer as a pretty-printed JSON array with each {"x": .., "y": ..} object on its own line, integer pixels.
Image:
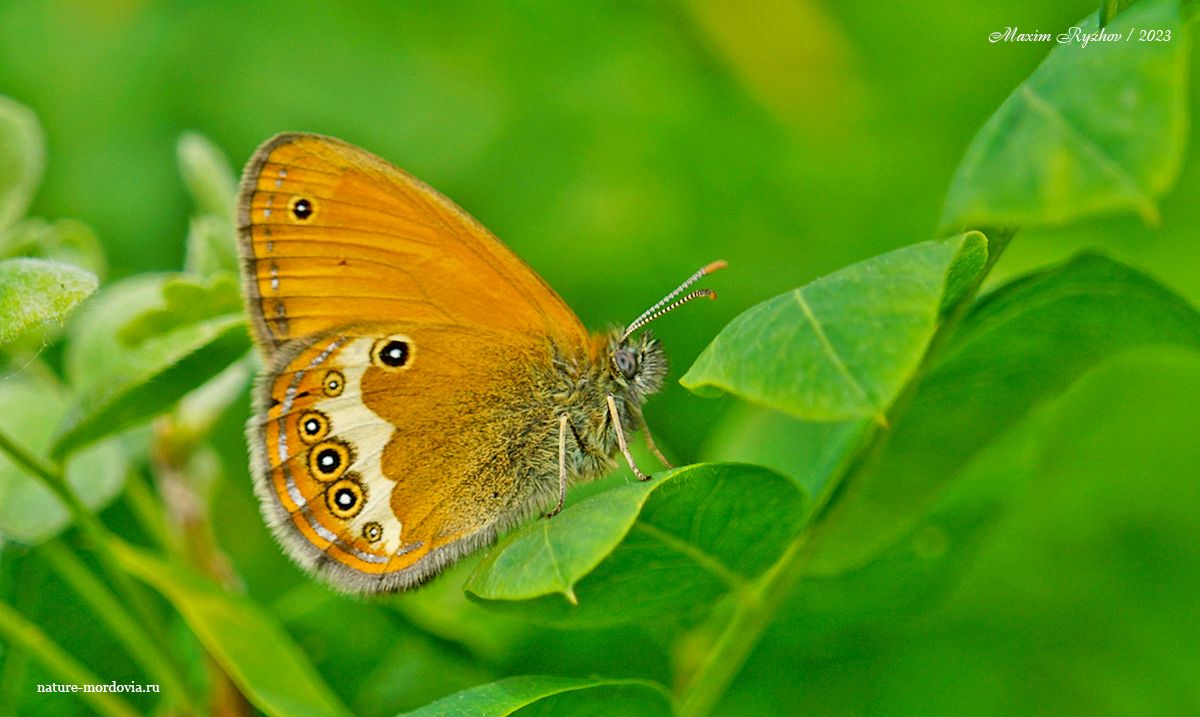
[
  {"x": 331, "y": 234},
  {"x": 373, "y": 475}
]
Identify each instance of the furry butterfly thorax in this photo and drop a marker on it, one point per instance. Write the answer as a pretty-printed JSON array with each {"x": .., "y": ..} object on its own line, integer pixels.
[{"x": 423, "y": 388}]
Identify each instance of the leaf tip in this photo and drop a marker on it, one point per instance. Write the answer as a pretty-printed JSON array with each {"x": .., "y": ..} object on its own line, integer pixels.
[{"x": 702, "y": 386}]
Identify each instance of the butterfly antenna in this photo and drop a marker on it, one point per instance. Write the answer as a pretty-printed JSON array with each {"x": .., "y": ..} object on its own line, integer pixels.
[{"x": 663, "y": 307}]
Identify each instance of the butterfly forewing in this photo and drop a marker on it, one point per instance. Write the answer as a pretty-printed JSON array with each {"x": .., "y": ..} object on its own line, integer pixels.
[{"x": 332, "y": 235}]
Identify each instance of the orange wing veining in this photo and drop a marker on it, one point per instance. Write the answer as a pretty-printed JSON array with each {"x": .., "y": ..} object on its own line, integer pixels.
[{"x": 331, "y": 235}]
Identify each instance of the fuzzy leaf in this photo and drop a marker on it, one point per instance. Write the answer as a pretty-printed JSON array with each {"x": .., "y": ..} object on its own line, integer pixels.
[
  {"x": 1079, "y": 558},
  {"x": 844, "y": 345},
  {"x": 36, "y": 291},
  {"x": 1094, "y": 129},
  {"x": 809, "y": 451},
  {"x": 63, "y": 240}
]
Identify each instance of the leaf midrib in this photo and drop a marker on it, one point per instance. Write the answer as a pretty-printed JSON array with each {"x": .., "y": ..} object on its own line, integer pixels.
[
  {"x": 832, "y": 353},
  {"x": 734, "y": 581},
  {"x": 1090, "y": 149}
]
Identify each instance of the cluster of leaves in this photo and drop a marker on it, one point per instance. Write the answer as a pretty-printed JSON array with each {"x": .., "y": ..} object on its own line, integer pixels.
[{"x": 890, "y": 412}]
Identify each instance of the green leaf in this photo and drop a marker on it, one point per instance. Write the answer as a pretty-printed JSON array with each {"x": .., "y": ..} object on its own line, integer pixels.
[
  {"x": 963, "y": 274},
  {"x": 36, "y": 291},
  {"x": 668, "y": 547},
  {"x": 211, "y": 246},
  {"x": 1094, "y": 129},
  {"x": 64, "y": 240},
  {"x": 34, "y": 404},
  {"x": 186, "y": 300},
  {"x": 207, "y": 175},
  {"x": 1019, "y": 346},
  {"x": 550, "y": 695},
  {"x": 846, "y": 344},
  {"x": 269, "y": 669},
  {"x": 22, "y": 156},
  {"x": 136, "y": 350},
  {"x": 550, "y": 556},
  {"x": 811, "y": 452}
]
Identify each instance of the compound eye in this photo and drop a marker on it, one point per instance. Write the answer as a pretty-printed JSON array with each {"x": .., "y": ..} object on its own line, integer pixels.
[{"x": 626, "y": 363}]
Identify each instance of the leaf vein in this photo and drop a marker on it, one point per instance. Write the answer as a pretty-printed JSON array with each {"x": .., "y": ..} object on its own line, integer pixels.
[
  {"x": 706, "y": 561},
  {"x": 1090, "y": 149},
  {"x": 554, "y": 558},
  {"x": 832, "y": 354}
]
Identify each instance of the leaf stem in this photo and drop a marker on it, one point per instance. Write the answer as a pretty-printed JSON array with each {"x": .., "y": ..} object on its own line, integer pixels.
[
  {"x": 756, "y": 606},
  {"x": 51, "y": 478},
  {"x": 147, "y": 510},
  {"x": 19, "y": 631}
]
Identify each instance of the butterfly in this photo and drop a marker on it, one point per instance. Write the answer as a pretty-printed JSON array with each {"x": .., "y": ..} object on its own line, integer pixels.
[{"x": 423, "y": 388}]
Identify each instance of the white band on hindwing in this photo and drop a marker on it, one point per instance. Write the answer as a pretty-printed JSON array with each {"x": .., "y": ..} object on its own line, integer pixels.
[{"x": 359, "y": 419}]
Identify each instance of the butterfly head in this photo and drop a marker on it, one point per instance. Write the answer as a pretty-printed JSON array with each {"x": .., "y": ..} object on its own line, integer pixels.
[{"x": 639, "y": 362}]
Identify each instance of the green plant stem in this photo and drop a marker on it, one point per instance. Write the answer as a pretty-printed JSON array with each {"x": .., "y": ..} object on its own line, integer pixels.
[
  {"x": 755, "y": 611},
  {"x": 94, "y": 532},
  {"x": 757, "y": 606},
  {"x": 148, "y": 653},
  {"x": 19, "y": 631},
  {"x": 147, "y": 510}
]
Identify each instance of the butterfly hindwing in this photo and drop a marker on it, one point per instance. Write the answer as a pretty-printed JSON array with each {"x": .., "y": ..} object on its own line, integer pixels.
[{"x": 386, "y": 454}]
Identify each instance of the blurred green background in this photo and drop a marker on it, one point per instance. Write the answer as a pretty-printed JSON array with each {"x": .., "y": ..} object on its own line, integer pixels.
[{"x": 617, "y": 147}]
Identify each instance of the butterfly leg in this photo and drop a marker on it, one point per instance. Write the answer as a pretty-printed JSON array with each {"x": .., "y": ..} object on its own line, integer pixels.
[
  {"x": 654, "y": 449},
  {"x": 612, "y": 409},
  {"x": 562, "y": 465}
]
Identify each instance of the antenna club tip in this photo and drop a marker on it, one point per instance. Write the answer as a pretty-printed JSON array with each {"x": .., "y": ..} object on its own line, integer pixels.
[
  {"x": 712, "y": 294},
  {"x": 715, "y": 266}
]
